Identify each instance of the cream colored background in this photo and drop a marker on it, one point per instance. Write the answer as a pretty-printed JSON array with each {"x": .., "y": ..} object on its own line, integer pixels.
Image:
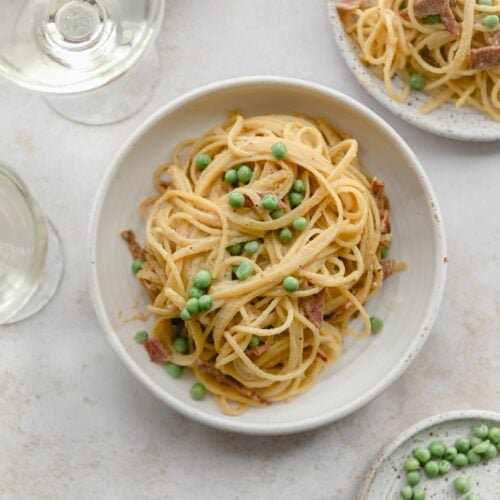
[{"x": 75, "y": 425}]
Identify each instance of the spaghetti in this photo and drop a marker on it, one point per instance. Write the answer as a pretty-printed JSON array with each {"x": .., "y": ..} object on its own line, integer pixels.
[
  {"x": 448, "y": 48},
  {"x": 277, "y": 308}
]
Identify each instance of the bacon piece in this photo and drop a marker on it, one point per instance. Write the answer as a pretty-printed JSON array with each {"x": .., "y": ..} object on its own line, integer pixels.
[
  {"x": 424, "y": 8},
  {"x": 485, "y": 57},
  {"x": 321, "y": 355},
  {"x": 385, "y": 225},
  {"x": 257, "y": 350},
  {"x": 349, "y": 5},
  {"x": 494, "y": 38},
  {"x": 248, "y": 202},
  {"x": 378, "y": 187},
  {"x": 134, "y": 248},
  {"x": 386, "y": 240},
  {"x": 314, "y": 307},
  {"x": 223, "y": 379},
  {"x": 156, "y": 351},
  {"x": 388, "y": 267}
]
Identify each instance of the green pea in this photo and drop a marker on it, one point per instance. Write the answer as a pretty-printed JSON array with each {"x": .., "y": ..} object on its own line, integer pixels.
[
  {"x": 472, "y": 497},
  {"x": 137, "y": 265},
  {"x": 490, "y": 453},
  {"x": 276, "y": 214},
  {"x": 245, "y": 174},
  {"x": 462, "y": 445},
  {"x": 197, "y": 391},
  {"x": 202, "y": 279},
  {"x": 235, "y": 249},
  {"x": 285, "y": 235},
  {"x": 141, "y": 336},
  {"x": 437, "y": 449},
  {"x": 251, "y": 247},
  {"x": 423, "y": 455},
  {"x": 270, "y": 201},
  {"x": 173, "y": 369},
  {"x": 384, "y": 253},
  {"x": 419, "y": 494},
  {"x": 300, "y": 223},
  {"x": 491, "y": 21},
  {"x": 254, "y": 341},
  {"x": 481, "y": 431},
  {"x": 432, "y": 19},
  {"x": 473, "y": 457},
  {"x": 205, "y": 302},
  {"x": 298, "y": 186},
  {"x": 181, "y": 345},
  {"x": 475, "y": 441},
  {"x": 411, "y": 464},
  {"x": 195, "y": 293},
  {"x": 279, "y": 150},
  {"x": 236, "y": 199},
  {"x": 450, "y": 453},
  {"x": 185, "y": 314},
  {"x": 192, "y": 306},
  {"x": 486, "y": 2},
  {"x": 498, "y": 447},
  {"x": 413, "y": 478},
  {"x": 231, "y": 176},
  {"x": 203, "y": 161},
  {"x": 295, "y": 199},
  {"x": 244, "y": 271},
  {"x": 417, "y": 81},
  {"x": 444, "y": 467},
  {"x": 460, "y": 461},
  {"x": 494, "y": 435},
  {"x": 290, "y": 284},
  {"x": 431, "y": 468},
  {"x": 481, "y": 447},
  {"x": 376, "y": 324},
  {"x": 406, "y": 492},
  {"x": 461, "y": 484}
]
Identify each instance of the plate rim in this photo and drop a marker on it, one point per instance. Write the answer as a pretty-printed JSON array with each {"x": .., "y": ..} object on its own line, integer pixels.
[
  {"x": 223, "y": 422},
  {"x": 418, "y": 120},
  {"x": 414, "y": 429}
]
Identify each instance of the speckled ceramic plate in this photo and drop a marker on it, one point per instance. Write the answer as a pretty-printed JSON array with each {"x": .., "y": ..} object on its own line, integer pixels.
[
  {"x": 465, "y": 124},
  {"x": 385, "y": 479}
]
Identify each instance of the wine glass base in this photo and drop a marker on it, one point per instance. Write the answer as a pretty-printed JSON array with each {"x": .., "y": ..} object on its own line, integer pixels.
[
  {"x": 116, "y": 101},
  {"x": 50, "y": 277}
]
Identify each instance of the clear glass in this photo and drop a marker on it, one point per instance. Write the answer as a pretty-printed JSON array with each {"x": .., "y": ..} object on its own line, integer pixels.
[
  {"x": 31, "y": 258},
  {"x": 77, "y": 47}
]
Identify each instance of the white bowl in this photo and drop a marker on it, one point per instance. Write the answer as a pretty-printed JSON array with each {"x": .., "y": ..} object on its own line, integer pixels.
[
  {"x": 386, "y": 477},
  {"x": 464, "y": 124},
  {"x": 408, "y": 302}
]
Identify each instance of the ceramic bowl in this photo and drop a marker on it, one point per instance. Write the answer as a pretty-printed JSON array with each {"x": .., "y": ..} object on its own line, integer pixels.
[
  {"x": 386, "y": 477},
  {"x": 465, "y": 124},
  {"x": 408, "y": 302}
]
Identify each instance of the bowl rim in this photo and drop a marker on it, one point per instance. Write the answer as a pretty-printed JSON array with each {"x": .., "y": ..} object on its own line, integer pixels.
[
  {"x": 223, "y": 422},
  {"x": 414, "y": 429},
  {"x": 417, "y": 119}
]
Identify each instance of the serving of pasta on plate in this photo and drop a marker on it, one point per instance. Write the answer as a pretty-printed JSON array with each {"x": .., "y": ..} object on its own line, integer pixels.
[
  {"x": 264, "y": 240},
  {"x": 449, "y": 49}
]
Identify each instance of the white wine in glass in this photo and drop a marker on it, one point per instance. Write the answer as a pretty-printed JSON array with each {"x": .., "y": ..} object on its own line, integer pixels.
[
  {"x": 31, "y": 258},
  {"x": 71, "y": 50}
]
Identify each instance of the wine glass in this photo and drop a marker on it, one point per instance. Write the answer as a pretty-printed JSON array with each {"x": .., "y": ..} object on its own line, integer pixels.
[
  {"x": 93, "y": 60},
  {"x": 31, "y": 257}
]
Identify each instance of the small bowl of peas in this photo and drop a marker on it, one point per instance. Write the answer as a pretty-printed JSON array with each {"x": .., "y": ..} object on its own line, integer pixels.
[{"x": 447, "y": 456}]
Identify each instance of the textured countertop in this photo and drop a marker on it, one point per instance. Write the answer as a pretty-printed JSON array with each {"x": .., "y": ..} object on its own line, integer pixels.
[{"x": 75, "y": 424}]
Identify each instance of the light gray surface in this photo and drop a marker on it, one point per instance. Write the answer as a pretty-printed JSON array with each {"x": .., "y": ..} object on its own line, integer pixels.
[{"x": 75, "y": 424}]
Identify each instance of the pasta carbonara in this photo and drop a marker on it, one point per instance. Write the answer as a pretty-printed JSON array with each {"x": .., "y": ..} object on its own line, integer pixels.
[
  {"x": 264, "y": 240},
  {"x": 448, "y": 48}
]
